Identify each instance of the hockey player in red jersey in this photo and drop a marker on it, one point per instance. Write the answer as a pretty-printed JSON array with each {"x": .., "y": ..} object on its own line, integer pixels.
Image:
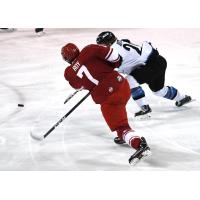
[{"x": 93, "y": 70}]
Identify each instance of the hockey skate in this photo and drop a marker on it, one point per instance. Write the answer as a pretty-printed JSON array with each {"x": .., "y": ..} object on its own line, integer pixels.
[
  {"x": 118, "y": 140},
  {"x": 145, "y": 111},
  {"x": 141, "y": 153},
  {"x": 183, "y": 101},
  {"x": 7, "y": 30},
  {"x": 39, "y": 31}
]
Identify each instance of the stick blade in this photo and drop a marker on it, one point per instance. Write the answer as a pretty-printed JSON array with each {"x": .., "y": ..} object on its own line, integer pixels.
[{"x": 36, "y": 137}]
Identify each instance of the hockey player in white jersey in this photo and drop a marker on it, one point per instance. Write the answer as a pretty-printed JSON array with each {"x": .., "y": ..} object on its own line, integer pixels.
[
  {"x": 143, "y": 64},
  {"x": 129, "y": 54}
]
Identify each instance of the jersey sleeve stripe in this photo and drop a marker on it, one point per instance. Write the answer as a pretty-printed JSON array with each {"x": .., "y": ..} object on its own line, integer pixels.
[
  {"x": 116, "y": 60},
  {"x": 109, "y": 53}
]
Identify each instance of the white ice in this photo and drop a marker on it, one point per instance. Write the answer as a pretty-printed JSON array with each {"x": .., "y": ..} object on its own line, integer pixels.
[{"x": 31, "y": 73}]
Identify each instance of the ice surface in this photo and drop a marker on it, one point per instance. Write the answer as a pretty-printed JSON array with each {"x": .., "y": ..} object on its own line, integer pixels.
[{"x": 31, "y": 73}]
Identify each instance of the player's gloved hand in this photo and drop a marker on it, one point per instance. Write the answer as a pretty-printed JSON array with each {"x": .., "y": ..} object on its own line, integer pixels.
[{"x": 79, "y": 89}]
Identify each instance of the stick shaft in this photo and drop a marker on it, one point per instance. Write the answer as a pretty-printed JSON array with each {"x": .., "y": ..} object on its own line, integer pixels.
[
  {"x": 66, "y": 115},
  {"x": 71, "y": 95}
]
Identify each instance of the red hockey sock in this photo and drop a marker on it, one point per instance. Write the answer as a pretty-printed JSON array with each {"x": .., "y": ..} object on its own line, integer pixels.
[{"x": 123, "y": 129}]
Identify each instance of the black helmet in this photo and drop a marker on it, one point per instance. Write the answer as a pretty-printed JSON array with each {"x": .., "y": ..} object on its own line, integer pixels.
[{"x": 106, "y": 37}]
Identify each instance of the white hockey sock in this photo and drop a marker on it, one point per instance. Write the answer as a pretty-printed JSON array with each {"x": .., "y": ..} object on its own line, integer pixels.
[
  {"x": 162, "y": 92},
  {"x": 169, "y": 92},
  {"x": 179, "y": 96},
  {"x": 131, "y": 139},
  {"x": 141, "y": 102}
]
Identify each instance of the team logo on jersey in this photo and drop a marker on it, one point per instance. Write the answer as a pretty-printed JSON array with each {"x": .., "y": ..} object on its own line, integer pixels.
[
  {"x": 119, "y": 78},
  {"x": 110, "y": 89}
]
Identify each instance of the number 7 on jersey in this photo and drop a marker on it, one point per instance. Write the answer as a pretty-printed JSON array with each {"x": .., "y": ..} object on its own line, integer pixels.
[{"x": 83, "y": 70}]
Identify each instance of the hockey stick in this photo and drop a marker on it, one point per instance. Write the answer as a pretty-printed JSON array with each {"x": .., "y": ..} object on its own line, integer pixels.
[
  {"x": 71, "y": 95},
  {"x": 61, "y": 120}
]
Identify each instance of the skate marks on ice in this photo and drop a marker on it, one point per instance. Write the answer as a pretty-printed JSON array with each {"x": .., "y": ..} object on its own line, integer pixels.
[
  {"x": 171, "y": 133},
  {"x": 168, "y": 153},
  {"x": 98, "y": 150},
  {"x": 67, "y": 150},
  {"x": 64, "y": 143},
  {"x": 91, "y": 146},
  {"x": 52, "y": 152},
  {"x": 82, "y": 148},
  {"x": 164, "y": 112},
  {"x": 172, "y": 136},
  {"x": 173, "y": 157}
]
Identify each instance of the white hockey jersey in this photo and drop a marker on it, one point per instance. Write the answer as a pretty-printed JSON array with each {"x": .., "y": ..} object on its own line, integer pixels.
[{"x": 133, "y": 55}]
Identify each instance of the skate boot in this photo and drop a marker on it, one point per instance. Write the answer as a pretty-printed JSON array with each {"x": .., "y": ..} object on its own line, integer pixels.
[
  {"x": 118, "y": 140},
  {"x": 39, "y": 31},
  {"x": 7, "y": 30},
  {"x": 142, "y": 152},
  {"x": 145, "y": 110},
  {"x": 186, "y": 99}
]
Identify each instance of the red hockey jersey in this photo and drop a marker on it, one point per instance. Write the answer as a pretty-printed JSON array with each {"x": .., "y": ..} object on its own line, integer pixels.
[{"x": 94, "y": 70}]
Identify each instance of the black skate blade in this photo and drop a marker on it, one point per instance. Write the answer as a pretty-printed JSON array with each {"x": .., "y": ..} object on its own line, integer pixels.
[
  {"x": 192, "y": 100},
  {"x": 136, "y": 160},
  {"x": 143, "y": 117},
  {"x": 119, "y": 141}
]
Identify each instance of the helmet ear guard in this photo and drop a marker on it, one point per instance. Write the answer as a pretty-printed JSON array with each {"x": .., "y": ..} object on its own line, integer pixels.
[
  {"x": 70, "y": 52},
  {"x": 106, "y": 37}
]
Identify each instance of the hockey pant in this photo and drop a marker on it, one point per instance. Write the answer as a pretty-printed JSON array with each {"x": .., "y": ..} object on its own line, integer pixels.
[
  {"x": 114, "y": 108},
  {"x": 115, "y": 115},
  {"x": 152, "y": 74}
]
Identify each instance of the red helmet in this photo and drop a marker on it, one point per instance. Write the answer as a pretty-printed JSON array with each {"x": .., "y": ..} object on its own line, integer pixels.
[{"x": 70, "y": 52}]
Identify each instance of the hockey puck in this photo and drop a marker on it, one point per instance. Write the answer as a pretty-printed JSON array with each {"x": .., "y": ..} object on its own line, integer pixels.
[{"x": 20, "y": 105}]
